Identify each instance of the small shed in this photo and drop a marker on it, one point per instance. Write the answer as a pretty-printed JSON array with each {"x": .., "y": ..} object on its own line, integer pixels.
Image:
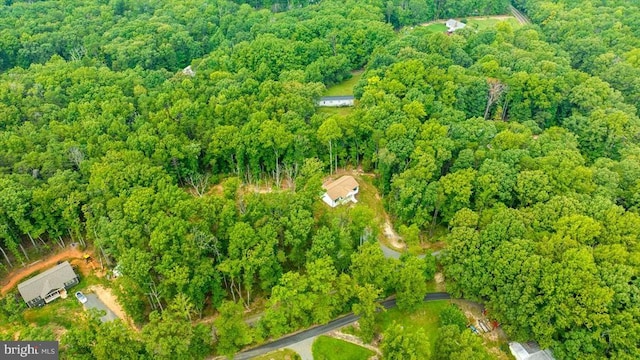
[
  {"x": 48, "y": 286},
  {"x": 453, "y": 25},
  {"x": 336, "y": 101},
  {"x": 340, "y": 191}
]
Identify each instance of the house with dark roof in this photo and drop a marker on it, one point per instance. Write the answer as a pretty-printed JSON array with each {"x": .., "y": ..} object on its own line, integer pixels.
[
  {"x": 340, "y": 191},
  {"x": 48, "y": 286},
  {"x": 336, "y": 101}
]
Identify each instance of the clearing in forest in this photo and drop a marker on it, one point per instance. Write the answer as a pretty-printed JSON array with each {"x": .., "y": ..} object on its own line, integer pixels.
[
  {"x": 16, "y": 276},
  {"x": 328, "y": 348},
  {"x": 478, "y": 22},
  {"x": 345, "y": 87},
  {"x": 426, "y": 316},
  {"x": 495, "y": 341},
  {"x": 369, "y": 197}
]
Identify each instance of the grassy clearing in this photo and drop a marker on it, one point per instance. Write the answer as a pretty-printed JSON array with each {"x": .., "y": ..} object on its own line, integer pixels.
[
  {"x": 427, "y": 317},
  {"x": 61, "y": 312},
  {"x": 369, "y": 198},
  {"x": 343, "y": 111},
  {"x": 328, "y": 348},
  {"x": 282, "y": 354},
  {"x": 483, "y": 24},
  {"x": 345, "y": 87},
  {"x": 435, "y": 28}
]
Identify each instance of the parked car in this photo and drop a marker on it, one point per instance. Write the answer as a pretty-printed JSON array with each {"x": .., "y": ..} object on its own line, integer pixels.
[{"x": 80, "y": 296}]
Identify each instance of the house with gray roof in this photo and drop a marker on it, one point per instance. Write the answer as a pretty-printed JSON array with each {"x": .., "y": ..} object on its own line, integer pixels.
[{"x": 48, "y": 286}]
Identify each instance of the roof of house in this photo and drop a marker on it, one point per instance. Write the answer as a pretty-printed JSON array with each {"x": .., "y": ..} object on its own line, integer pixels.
[
  {"x": 453, "y": 24},
  {"x": 341, "y": 187},
  {"x": 188, "y": 71},
  {"x": 529, "y": 351},
  {"x": 42, "y": 284},
  {"x": 344, "y": 97}
]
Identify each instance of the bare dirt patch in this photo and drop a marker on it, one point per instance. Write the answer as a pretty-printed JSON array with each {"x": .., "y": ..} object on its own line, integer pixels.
[
  {"x": 394, "y": 239},
  {"x": 492, "y": 339},
  {"x": 440, "y": 284}
]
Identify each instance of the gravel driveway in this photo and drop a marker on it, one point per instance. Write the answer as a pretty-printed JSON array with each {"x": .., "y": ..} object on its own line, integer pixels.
[{"x": 94, "y": 303}]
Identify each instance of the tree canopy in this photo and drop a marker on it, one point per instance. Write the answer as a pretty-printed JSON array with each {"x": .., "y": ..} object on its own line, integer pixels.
[{"x": 522, "y": 142}]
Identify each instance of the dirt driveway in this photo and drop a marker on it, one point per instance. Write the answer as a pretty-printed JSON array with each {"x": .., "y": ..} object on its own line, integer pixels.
[
  {"x": 111, "y": 301},
  {"x": 13, "y": 278}
]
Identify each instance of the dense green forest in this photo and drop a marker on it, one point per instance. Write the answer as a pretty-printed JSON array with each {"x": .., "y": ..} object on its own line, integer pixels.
[{"x": 523, "y": 143}]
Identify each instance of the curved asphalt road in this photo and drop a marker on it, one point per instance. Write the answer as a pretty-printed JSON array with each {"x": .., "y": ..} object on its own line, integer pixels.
[{"x": 318, "y": 330}]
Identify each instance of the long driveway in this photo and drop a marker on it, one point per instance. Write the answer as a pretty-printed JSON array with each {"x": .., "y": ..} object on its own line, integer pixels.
[
  {"x": 94, "y": 303},
  {"x": 318, "y": 330}
]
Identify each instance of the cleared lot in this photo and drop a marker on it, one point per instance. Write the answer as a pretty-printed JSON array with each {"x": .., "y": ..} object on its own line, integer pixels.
[{"x": 94, "y": 303}]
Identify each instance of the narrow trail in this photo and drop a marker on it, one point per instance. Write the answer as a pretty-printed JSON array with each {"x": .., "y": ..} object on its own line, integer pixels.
[{"x": 16, "y": 276}]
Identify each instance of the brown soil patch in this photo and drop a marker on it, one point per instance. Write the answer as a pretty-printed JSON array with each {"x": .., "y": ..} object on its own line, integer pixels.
[
  {"x": 493, "y": 338},
  {"x": 440, "y": 284},
  {"x": 13, "y": 278},
  {"x": 394, "y": 239}
]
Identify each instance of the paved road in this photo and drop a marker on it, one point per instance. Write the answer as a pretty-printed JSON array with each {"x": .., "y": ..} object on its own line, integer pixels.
[
  {"x": 289, "y": 340},
  {"x": 304, "y": 348},
  {"x": 94, "y": 303},
  {"x": 388, "y": 252}
]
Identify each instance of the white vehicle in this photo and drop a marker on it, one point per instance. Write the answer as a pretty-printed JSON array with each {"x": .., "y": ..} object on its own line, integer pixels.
[{"x": 80, "y": 296}]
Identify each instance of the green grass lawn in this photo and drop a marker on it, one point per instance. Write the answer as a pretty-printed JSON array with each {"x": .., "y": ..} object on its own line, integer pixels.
[
  {"x": 345, "y": 87},
  {"x": 427, "y": 317},
  {"x": 282, "y": 354},
  {"x": 61, "y": 312},
  {"x": 480, "y": 24},
  {"x": 367, "y": 196},
  {"x": 436, "y": 28},
  {"x": 328, "y": 348},
  {"x": 344, "y": 111},
  {"x": 491, "y": 23}
]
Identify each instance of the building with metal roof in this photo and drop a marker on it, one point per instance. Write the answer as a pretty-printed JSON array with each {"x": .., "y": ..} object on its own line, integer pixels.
[{"x": 337, "y": 101}]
